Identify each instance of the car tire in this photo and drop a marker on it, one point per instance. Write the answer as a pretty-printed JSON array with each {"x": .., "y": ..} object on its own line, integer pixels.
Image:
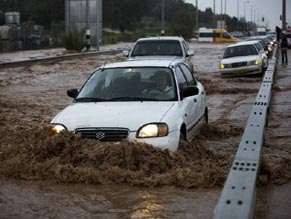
[
  {"x": 182, "y": 141},
  {"x": 262, "y": 70},
  {"x": 206, "y": 116}
]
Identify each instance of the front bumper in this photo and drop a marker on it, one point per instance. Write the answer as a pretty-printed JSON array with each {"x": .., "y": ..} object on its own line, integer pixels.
[{"x": 256, "y": 69}]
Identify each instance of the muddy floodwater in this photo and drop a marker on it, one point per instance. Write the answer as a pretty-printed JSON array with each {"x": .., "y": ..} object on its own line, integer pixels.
[{"x": 43, "y": 175}]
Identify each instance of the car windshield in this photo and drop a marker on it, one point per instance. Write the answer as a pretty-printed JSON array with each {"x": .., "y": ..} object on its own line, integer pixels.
[
  {"x": 242, "y": 50},
  {"x": 157, "y": 47},
  {"x": 129, "y": 84}
]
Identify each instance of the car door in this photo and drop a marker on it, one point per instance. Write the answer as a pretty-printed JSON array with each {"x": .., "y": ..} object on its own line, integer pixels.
[
  {"x": 190, "y": 104},
  {"x": 200, "y": 98}
]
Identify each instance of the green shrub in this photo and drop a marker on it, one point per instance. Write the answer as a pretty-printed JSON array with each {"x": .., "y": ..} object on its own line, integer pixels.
[
  {"x": 111, "y": 37},
  {"x": 74, "y": 40}
]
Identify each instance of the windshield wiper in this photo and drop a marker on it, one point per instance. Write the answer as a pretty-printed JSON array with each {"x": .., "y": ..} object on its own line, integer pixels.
[
  {"x": 89, "y": 99},
  {"x": 131, "y": 99}
]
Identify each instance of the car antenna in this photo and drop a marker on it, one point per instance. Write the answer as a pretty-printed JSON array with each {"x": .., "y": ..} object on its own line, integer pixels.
[{"x": 102, "y": 68}]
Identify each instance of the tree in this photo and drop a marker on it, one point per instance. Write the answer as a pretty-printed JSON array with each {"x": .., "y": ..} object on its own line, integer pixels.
[
  {"x": 125, "y": 14},
  {"x": 181, "y": 24}
]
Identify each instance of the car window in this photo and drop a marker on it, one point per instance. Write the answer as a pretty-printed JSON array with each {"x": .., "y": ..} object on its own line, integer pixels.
[
  {"x": 157, "y": 47},
  {"x": 259, "y": 47},
  {"x": 226, "y": 35},
  {"x": 188, "y": 75},
  {"x": 186, "y": 47},
  {"x": 249, "y": 50},
  {"x": 241, "y": 50},
  {"x": 263, "y": 43},
  {"x": 130, "y": 83},
  {"x": 182, "y": 82},
  {"x": 98, "y": 80},
  {"x": 231, "y": 52}
]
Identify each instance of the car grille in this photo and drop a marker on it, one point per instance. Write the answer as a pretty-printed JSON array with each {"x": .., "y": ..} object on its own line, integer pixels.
[
  {"x": 238, "y": 64},
  {"x": 104, "y": 134}
]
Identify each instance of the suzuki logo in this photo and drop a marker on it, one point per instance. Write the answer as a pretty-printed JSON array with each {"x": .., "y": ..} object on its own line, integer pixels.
[{"x": 100, "y": 135}]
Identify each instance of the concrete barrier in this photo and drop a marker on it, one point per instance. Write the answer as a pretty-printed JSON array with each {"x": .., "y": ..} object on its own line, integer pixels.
[{"x": 238, "y": 196}]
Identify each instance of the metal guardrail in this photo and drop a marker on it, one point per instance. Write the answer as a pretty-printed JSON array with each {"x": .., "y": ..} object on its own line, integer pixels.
[
  {"x": 55, "y": 58},
  {"x": 238, "y": 196}
]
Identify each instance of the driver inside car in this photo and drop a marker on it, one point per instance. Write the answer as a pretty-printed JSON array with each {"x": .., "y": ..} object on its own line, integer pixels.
[
  {"x": 163, "y": 87},
  {"x": 161, "y": 80}
]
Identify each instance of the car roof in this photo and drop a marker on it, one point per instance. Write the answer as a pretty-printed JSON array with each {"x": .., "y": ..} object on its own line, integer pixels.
[
  {"x": 143, "y": 63},
  {"x": 250, "y": 42},
  {"x": 161, "y": 38},
  {"x": 258, "y": 36}
]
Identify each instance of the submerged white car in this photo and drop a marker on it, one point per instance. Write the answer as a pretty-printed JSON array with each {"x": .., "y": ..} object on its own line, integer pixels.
[
  {"x": 158, "y": 102},
  {"x": 243, "y": 58}
]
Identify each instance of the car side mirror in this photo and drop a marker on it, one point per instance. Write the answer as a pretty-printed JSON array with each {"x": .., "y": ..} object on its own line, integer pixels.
[
  {"x": 73, "y": 92},
  {"x": 125, "y": 53},
  {"x": 220, "y": 56},
  {"x": 190, "y": 91},
  {"x": 190, "y": 53}
]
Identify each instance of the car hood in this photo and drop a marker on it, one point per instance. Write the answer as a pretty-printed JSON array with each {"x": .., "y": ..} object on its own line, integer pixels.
[
  {"x": 131, "y": 115},
  {"x": 239, "y": 59}
]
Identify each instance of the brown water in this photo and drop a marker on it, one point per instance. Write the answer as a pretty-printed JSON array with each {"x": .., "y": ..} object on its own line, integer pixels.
[{"x": 49, "y": 176}]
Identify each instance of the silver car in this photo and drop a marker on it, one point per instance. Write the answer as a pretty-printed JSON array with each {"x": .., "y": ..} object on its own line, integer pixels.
[
  {"x": 162, "y": 47},
  {"x": 243, "y": 58}
]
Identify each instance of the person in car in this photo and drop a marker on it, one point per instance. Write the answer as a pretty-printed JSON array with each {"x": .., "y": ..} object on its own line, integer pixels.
[
  {"x": 163, "y": 86},
  {"x": 161, "y": 79}
]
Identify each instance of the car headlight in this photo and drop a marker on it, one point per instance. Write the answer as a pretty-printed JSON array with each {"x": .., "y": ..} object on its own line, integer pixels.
[
  {"x": 222, "y": 66},
  {"x": 255, "y": 62},
  {"x": 153, "y": 130},
  {"x": 58, "y": 128}
]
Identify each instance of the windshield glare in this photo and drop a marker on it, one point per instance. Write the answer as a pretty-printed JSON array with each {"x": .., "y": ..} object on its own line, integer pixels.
[{"x": 129, "y": 84}]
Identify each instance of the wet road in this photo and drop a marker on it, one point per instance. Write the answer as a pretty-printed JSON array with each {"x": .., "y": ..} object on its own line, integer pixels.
[{"x": 43, "y": 200}]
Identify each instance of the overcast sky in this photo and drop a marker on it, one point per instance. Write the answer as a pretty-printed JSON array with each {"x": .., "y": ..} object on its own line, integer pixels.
[{"x": 254, "y": 9}]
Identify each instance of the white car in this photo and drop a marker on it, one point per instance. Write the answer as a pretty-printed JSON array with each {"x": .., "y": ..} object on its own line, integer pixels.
[
  {"x": 158, "y": 102},
  {"x": 243, "y": 58},
  {"x": 162, "y": 47}
]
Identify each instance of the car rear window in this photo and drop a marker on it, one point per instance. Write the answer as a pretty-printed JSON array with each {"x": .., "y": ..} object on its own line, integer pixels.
[{"x": 157, "y": 47}]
